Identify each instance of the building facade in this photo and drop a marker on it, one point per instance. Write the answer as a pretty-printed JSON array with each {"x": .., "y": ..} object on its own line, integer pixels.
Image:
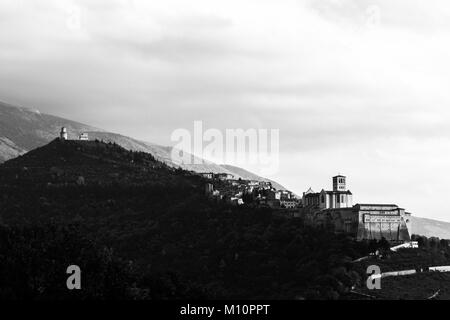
[
  {"x": 339, "y": 197},
  {"x": 83, "y": 137}
]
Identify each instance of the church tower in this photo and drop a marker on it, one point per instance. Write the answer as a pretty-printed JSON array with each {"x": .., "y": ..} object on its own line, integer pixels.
[{"x": 339, "y": 183}]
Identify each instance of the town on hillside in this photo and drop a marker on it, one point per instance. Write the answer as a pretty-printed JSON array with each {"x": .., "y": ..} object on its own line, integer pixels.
[
  {"x": 325, "y": 209},
  {"x": 332, "y": 209}
]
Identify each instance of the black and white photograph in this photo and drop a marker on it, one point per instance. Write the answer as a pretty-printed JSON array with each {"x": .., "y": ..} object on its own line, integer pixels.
[{"x": 224, "y": 155}]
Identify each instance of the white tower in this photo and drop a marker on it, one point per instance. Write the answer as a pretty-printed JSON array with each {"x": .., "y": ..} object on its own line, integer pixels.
[
  {"x": 63, "y": 134},
  {"x": 339, "y": 183}
]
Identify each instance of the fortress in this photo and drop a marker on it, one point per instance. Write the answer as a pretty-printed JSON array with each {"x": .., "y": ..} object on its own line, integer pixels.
[
  {"x": 64, "y": 136},
  {"x": 335, "y": 210}
]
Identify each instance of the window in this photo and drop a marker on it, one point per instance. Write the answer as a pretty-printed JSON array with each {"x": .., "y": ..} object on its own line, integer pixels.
[
  {"x": 322, "y": 199},
  {"x": 338, "y": 198}
]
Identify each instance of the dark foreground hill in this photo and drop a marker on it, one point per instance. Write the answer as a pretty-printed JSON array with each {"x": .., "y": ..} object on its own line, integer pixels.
[
  {"x": 72, "y": 162},
  {"x": 140, "y": 229},
  {"x": 420, "y": 286}
]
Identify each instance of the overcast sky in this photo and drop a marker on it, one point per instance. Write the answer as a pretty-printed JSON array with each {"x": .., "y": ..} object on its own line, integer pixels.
[{"x": 355, "y": 87}]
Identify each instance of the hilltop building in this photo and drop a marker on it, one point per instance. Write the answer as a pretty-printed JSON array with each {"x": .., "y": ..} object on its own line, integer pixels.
[
  {"x": 63, "y": 134},
  {"x": 334, "y": 210}
]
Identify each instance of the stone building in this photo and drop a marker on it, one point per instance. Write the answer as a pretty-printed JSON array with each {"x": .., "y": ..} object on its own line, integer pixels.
[
  {"x": 288, "y": 203},
  {"x": 207, "y": 175},
  {"x": 83, "y": 137},
  {"x": 334, "y": 210}
]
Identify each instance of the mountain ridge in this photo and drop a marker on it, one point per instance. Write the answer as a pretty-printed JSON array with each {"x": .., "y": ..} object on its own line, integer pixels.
[
  {"x": 430, "y": 227},
  {"x": 23, "y": 129}
]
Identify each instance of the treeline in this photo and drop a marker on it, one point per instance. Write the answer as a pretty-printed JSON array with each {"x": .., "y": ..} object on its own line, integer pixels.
[
  {"x": 431, "y": 242},
  {"x": 180, "y": 244},
  {"x": 186, "y": 250}
]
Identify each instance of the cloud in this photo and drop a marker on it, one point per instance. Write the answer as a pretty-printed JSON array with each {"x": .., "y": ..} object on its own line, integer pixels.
[{"x": 354, "y": 86}]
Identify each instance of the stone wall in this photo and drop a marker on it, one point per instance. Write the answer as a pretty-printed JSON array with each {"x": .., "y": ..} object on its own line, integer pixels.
[{"x": 363, "y": 222}]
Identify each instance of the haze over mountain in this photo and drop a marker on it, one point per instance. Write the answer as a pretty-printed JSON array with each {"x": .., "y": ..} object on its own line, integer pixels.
[
  {"x": 430, "y": 227},
  {"x": 23, "y": 129}
]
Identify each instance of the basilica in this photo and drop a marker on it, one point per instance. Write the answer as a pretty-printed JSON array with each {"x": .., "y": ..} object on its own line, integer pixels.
[{"x": 335, "y": 210}]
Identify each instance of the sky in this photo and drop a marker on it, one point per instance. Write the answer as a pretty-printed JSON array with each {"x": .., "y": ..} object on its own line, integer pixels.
[{"x": 355, "y": 87}]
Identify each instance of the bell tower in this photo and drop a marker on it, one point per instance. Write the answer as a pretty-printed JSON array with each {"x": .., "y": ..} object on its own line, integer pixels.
[{"x": 339, "y": 183}]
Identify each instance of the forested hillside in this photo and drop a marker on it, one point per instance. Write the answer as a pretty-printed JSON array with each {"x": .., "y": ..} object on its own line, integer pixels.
[{"x": 140, "y": 230}]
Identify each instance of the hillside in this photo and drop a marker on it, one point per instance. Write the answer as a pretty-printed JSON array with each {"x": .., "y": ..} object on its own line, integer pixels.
[
  {"x": 177, "y": 242},
  {"x": 247, "y": 175},
  {"x": 23, "y": 129},
  {"x": 65, "y": 162},
  {"x": 126, "y": 215}
]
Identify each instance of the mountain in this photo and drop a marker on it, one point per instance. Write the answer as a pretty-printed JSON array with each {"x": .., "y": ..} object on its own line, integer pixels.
[
  {"x": 23, "y": 129},
  {"x": 430, "y": 228}
]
